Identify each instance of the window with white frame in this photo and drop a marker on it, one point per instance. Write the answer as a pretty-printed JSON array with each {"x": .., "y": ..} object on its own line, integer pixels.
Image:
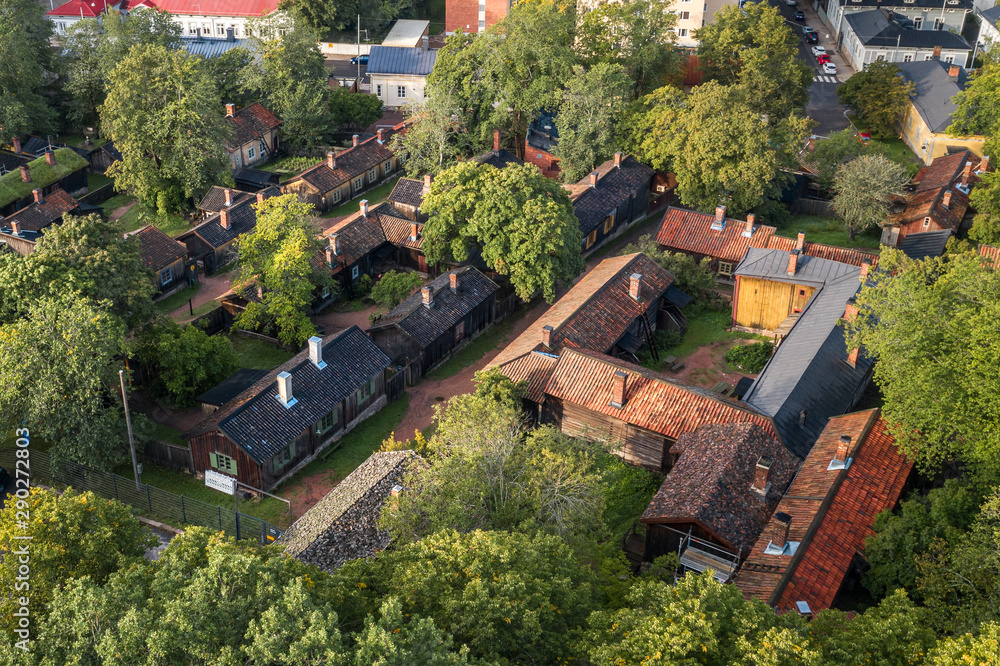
[
  {"x": 938, "y": 23},
  {"x": 917, "y": 22},
  {"x": 682, "y": 32},
  {"x": 949, "y": 59},
  {"x": 220, "y": 30},
  {"x": 359, "y": 183},
  {"x": 908, "y": 57},
  {"x": 263, "y": 148},
  {"x": 166, "y": 276},
  {"x": 388, "y": 167},
  {"x": 336, "y": 196},
  {"x": 880, "y": 56},
  {"x": 685, "y": 16},
  {"x": 378, "y": 90},
  {"x": 401, "y": 92},
  {"x": 928, "y": 56},
  {"x": 927, "y": 221},
  {"x": 251, "y": 152},
  {"x": 373, "y": 175}
]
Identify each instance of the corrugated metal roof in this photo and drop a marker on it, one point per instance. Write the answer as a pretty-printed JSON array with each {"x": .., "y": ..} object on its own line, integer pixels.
[
  {"x": 207, "y": 7},
  {"x": 406, "y": 33},
  {"x": 213, "y": 48},
  {"x": 401, "y": 60}
]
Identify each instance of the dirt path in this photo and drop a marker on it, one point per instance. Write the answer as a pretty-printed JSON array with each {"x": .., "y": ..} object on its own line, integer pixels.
[
  {"x": 211, "y": 287},
  {"x": 305, "y": 492},
  {"x": 706, "y": 367},
  {"x": 333, "y": 320},
  {"x": 120, "y": 211}
]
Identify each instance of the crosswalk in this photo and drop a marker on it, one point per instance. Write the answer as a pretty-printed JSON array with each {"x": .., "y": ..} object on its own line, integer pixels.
[{"x": 823, "y": 78}]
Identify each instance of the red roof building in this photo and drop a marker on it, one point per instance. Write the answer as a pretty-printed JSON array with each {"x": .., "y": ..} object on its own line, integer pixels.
[
  {"x": 234, "y": 8},
  {"x": 81, "y": 9},
  {"x": 852, "y": 473},
  {"x": 722, "y": 239},
  {"x": 255, "y": 134}
]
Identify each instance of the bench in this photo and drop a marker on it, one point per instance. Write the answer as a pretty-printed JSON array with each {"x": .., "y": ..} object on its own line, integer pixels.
[
  {"x": 669, "y": 360},
  {"x": 721, "y": 387},
  {"x": 677, "y": 367}
]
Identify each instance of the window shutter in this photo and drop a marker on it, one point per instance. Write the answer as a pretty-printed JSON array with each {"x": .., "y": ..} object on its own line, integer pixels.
[{"x": 213, "y": 461}]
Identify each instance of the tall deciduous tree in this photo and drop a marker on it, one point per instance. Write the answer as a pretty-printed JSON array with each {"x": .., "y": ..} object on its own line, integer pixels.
[
  {"x": 164, "y": 114},
  {"x": 638, "y": 35},
  {"x": 978, "y": 111},
  {"x": 589, "y": 114},
  {"x": 879, "y": 95},
  {"x": 866, "y": 187},
  {"x": 933, "y": 328},
  {"x": 436, "y": 136},
  {"x": 227, "y": 70},
  {"x": 839, "y": 148},
  {"x": 724, "y": 152},
  {"x": 750, "y": 46},
  {"x": 649, "y": 124},
  {"x": 184, "y": 361},
  {"x": 279, "y": 270},
  {"x": 25, "y": 64},
  {"x": 393, "y": 287},
  {"x": 327, "y": 17},
  {"x": 57, "y": 367},
  {"x": 985, "y": 199},
  {"x": 86, "y": 257},
  {"x": 521, "y": 222}
]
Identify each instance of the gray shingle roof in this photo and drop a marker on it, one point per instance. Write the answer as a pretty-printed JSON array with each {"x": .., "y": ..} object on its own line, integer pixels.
[
  {"x": 933, "y": 91},
  {"x": 498, "y": 158},
  {"x": 425, "y": 325},
  {"x": 408, "y": 192},
  {"x": 925, "y": 244},
  {"x": 242, "y": 219},
  {"x": 231, "y": 387},
  {"x": 401, "y": 60},
  {"x": 809, "y": 372},
  {"x": 261, "y": 425},
  {"x": 875, "y": 29},
  {"x": 992, "y": 16},
  {"x": 614, "y": 187}
]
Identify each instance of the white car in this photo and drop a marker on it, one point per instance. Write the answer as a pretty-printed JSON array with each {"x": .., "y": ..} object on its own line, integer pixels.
[
  {"x": 829, "y": 68},
  {"x": 791, "y": 3},
  {"x": 818, "y": 51}
]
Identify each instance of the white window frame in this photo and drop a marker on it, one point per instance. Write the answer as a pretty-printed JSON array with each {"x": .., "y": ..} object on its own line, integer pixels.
[
  {"x": 251, "y": 153},
  {"x": 682, "y": 32},
  {"x": 355, "y": 272},
  {"x": 400, "y": 92},
  {"x": 373, "y": 174},
  {"x": 388, "y": 167},
  {"x": 359, "y": 182}
]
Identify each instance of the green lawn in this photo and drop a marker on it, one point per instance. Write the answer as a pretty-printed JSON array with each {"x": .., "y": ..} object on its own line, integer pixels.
[
  {"x": 289, "y": 165},
  {"x": 258, "y": 354},
  {"x": 96, "y": 180},
  {"x": 374, "y": 196},
  {"x": 165, "y": 433},
  {"x": 494, "y": 337},
  {"x": 116, "y": 202},
  {"x": 900, "y": 152},
  {"x": 361, "y": 442},
  {"x": 139, "y": 216},
  {"x": 79, "y": 141},
  {"x": 829, "y": 231},
  {"x": 174, "y": 301},
  {"x": 705, "y": 327}
]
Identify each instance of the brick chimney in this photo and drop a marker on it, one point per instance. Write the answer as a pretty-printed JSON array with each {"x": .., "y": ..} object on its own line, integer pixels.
[
  {"x": 850, "y": 311},
  {"x": 720, "y": 218},
  {"x": 15, "y": 227},
  {"x": 331, "y": 159},
  {"x": 496, "y": 139},
  {"x": 453, "y": 282},
  {"x": 953, "y": 71},
  {"x": 260, "y": 197},
  {"x": 230, "y": 110},
  {"x": 381, "y": 135},
  {"x": 984, "y": 163},
  {"x": 355, "y": 139},
  {"x": 937, "y": 53},
  {"x": 330, "y": 257},
  {"x": 748, "y": 230},
  {"x": 37, "y": 194},
  {"x": 618, "y": 389},
  {"x": 946, "y": 199},
  {"x": 966, "y": 175},
  {"x": 427, "y": 296},
  {"x": 547, "y": 336},
  {"x": 224, "y": 218},
  {"x": 852, "y": 357},
  {"x": 800, "y": 242},
  {"x": 843, "y": 448},
  {"x": 762, "y": 475},
  {"x": 428, "y": 179},
  {"x": 793, "y": 262},
  {"x": 618, "y": 160},
  {"x": 777, "y": 531},
  {"x": 17, "y": 144},
  {"x": 229, "y": 197},
  {"x": 414, "y": 231},
  {"x": 635, "y": 286},
  {"x": 285, "y": 389},
  {"x": 865, "y": 267},
  {"x": 25, "y": 174},
  {"x": 364, "y": 208},
  {"x": 593, "y": 179},
  {"x": 50, "y": 157}
]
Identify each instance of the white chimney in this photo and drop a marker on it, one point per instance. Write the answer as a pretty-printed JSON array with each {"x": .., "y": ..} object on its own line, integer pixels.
[
  {"x": 316, "y": 352},
  {"x": 285, "y": 389}
]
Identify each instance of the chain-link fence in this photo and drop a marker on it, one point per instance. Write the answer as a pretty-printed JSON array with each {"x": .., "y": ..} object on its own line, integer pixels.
[{"x": 169, "y": 507}]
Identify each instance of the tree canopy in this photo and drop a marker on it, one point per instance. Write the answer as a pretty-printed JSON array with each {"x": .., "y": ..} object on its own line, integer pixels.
[
  {"x": 520, "y": 222},
  {"x": 865, "y": 189},
  {"x": 25, "y": 64},
  {"x": 879, "y": 95},
  {"x": 183, "y": 361}
]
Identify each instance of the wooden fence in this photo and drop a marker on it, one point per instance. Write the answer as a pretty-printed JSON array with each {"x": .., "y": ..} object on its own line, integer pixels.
[
  {"x": 813, "y": 207},
  {"x": 171, "y": 456},
  {"x": 100, "y": 195},
  {"x": 216, "y": 321}
]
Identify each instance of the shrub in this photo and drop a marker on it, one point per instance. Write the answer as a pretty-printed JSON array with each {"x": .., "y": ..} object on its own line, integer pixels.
[{"x": 749, "y": 358}]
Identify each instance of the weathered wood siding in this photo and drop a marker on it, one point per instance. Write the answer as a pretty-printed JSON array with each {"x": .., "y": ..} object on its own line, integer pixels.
[
  {"x": 213, "y": 441},
  {"x": 635, "y": 445},
  {"x": 764, "y": 304}
]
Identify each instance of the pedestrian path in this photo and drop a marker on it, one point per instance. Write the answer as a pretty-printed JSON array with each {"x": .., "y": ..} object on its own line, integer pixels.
[{"x": 823, "y": 78}]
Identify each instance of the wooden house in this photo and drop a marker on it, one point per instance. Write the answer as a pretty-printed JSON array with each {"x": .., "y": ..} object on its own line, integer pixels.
[
  {"x": 719, "y": 495},
  {"x": 165, "y": 257},
  {"x": 345, "y": 175},
  {"x": 816, "y": 537},
  {"x": 218, "y": 198},
  {"x": 213, "y": 242},
  {"x": 21, "y": 230},
  {"x": 59, "y": 169},
  {"x": 279, "y": 424},
  {"x": 408, "y": 195},
  {"x": 427, "y": 327},
  {"x": 721, "y": 239},
  {"x": 640, "y": 413},
  {"x": 254, "y": 134},
  {"x": 610, "y": 199},
  {"x": 103, "y": 156}
]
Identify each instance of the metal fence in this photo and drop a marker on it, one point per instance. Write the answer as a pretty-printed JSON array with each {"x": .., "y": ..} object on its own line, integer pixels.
[{"x": 167, "y": 506}]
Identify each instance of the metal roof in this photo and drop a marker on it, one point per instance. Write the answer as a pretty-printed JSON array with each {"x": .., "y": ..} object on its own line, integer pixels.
[
  {"x": 401, "y": 60},
  {"x": 925, "y": 244},
  {"x": 933, "y": 91},
  {"x": 406, "y": 33},
  {"x": 874, "y": 29},
  {"x": 212, "y": 48}
]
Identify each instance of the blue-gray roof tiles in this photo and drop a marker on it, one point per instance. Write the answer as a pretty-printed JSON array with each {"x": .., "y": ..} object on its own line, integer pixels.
[{"x": 401, "y": 60}]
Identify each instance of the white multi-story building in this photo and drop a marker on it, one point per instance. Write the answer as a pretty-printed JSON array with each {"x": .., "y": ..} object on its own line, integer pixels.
[
  {"x": 399, "y": 74},
  {"x": 693, "y": 14},
  {"x": 989, "y": 27},
  {"x": 922, "y": 14},
  {"x": 197, "y": 18},
  {"x": 883, "y": 35}
]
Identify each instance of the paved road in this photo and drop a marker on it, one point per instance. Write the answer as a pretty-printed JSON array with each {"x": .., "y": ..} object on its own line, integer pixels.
[{"x": 823, "y": 105}]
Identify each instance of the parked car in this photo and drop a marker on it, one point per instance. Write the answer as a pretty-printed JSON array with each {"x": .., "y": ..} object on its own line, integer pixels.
[
  {"x": 817, "y": 51},
  {"x": 799, "y": 15},
  {"x": 812, "y": 38},
  {"x": 791, "y": 3},
  {"x": 829, "y": 68},
  {"x": 363, "y": 59},
  {"x": 863, "y": 137},
  {"x": 6, "y": 485},
  {"x": 823, "y": 59}
]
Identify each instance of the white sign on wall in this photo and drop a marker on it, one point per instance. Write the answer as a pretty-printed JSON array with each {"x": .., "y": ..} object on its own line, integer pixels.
[{"x": 218, "y": 481}]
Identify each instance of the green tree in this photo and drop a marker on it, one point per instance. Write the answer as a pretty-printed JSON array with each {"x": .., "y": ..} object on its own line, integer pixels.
[
  {"x": 980, "y": 647},
  {"x": 724, "y": 152},
  {"x": 985, "y": 200},
  {"x": 978, "y": 111},
  {"x": 589, "y": 113},
  {"x": 695, "y": 278},
  {"x": 184, "y": 361},
  {"x": 25, "y": 64},
  {"x": 395, "y": 639},
  {"x": 649, "y": 124},
  {"x": 353, "y": 111},
  {"x": 841, "y": 147},
  {"x": 522, "y": 223},
  {"x": 87, "y": 257},
  {"x": 227, "y": 70},
  {"x": 865, "y": 189},
  {"x": 393, "y": 288},
  {"x": 436, "y": 135},
  {"x": 958, "y": 294},
  {"x": 56, "y": 368},
  {"x": 751, "y": 47},
  {"x": 879, "y": 95},
  {"x": 326, "y": 17},
  {"x": 638, "y": 35},
  {"x": 279, "y": 270},
  {"x": 164, "y": 114},
  {"x": 72, "y": 536}
]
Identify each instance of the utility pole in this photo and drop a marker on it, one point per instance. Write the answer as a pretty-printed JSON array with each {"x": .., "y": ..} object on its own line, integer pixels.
[
  {"x": 128, "y": 424},
  {"x": 359, "y": 53}
]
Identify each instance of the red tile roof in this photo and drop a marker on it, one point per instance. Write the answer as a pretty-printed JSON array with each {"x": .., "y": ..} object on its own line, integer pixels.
[
  {"x": 832, "y": 512},
  {"x": 942, "y": 175},
  {"x": 534, "y": 369},
  {"x": 80, "y": 9},
  {"x": 249, "y": 123},
  {"x": 597, "y": 311},
  {"x": 350, "y": 163},
  {"x": 652, "y": 401},
  {"x": 38, "y": 216},
  {"x": 842, "y": 254},
  {"x": 690, "y": 231},
  {"x": 990, "y": 253},
  {"x": 207, "y": 7}
]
